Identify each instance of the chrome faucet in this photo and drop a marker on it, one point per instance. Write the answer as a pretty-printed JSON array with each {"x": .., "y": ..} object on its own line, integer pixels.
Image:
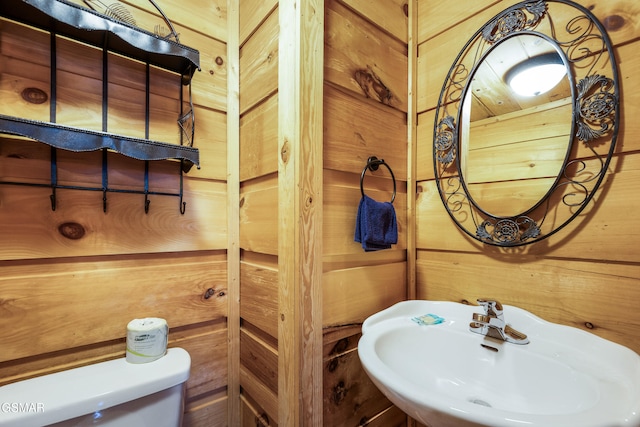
[{"x": 491, "y": 323}]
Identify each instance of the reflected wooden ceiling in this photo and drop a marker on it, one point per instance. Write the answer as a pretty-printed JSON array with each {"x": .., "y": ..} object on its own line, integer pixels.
[{"x": 491, "y": 96}]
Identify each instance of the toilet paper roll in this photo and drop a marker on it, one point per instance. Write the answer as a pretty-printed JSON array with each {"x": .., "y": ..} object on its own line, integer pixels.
[{"x": 146, "y": 339}]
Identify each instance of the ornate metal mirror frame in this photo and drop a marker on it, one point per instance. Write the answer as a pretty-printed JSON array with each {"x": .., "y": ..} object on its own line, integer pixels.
[{"x": 586, "y": 50}]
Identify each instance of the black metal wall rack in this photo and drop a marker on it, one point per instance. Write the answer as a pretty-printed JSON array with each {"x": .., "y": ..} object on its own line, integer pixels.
[{"x": 62, "y": 18}]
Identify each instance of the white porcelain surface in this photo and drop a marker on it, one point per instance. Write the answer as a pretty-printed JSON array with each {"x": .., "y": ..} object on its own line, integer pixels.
[
  {"x": 112, "y": 393},
  {"x": 442, "y": 375}
]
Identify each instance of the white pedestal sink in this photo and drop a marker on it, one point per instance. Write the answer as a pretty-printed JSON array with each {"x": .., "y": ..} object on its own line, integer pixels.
[{"x": 443, "y": 375}]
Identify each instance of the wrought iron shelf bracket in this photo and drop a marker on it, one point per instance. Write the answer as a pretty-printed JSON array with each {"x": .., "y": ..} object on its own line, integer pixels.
[
  {"x": 104, "y": 188},
  {"x": 62, "y": 18},
  {"x": 82, "y": 24},
  {"x": 79, "y": 140}
]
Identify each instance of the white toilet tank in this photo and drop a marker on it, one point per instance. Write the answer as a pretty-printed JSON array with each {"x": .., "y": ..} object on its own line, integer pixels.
[{"x": 114, "y": 394}]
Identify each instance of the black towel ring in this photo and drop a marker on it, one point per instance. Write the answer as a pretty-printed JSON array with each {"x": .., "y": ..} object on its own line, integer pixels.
[{"x": 372, "y": 164}]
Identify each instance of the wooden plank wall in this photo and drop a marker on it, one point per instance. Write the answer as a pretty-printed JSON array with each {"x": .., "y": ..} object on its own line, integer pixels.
[
  {"x": 300, "y": 212},
  {"x": 71, "y": 279},
  {"x": 362, "y": 42},
  {"x": 365, "y": 114},
  {"x": 258, "y": 215},
  {"x": 587, "y": 275}
]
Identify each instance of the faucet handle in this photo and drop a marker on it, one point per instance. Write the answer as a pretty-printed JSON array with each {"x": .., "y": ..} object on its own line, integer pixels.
[{"x": 492, "y": 307}]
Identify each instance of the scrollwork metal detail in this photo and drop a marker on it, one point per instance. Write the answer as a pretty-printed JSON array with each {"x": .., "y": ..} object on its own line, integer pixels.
[
  {"x": 514, "y": 20},
  {"x": 596, "y": 104},
  {"x": 508, "y": 231},
  {"x": 593, "y": 76},
  {"x": 444, "y": 140}
]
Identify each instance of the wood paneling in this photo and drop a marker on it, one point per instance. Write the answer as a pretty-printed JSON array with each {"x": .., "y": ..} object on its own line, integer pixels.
[
  {"x": 258, "y": 295},
  {"x": 207, "y": 344},
  {"x": 357, "y": 128},
  {"x": 351, "y": 295},
  {"x": 254, "y": 389},
  {"x": 362, "y": 118},
  {"x": 300, "y": 214},
  {"x": 71, "y": 279},
  {"x": 197, "y": 15},
  {"x": 391, "y": 17},
  {"x": 31, "y": 230},
  {"x": 437, "y": 54},
  {"x": 438, "y": 16},
  {"x": 350, "y": 398},
  {"x": 211, "y": 141},
  {"x": 252, "y": 414},
  {"x": 258, "y": 212},
  {"x": 209, "y": 410},
  {"x": 259, "y": 357},
  {"x": 252, "y": 15},
  {"x": 259, "y": 140},
  {"x": 54, "y": 305},
  {"x": 354, "y": 45},
  {"x": 258, "y": 215},
  {"x": 259, "y": 64},
  {"x": 233, "y": 214}
]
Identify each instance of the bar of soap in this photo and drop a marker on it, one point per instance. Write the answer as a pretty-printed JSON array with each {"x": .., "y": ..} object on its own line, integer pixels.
[{"x": 428, "y": 319}]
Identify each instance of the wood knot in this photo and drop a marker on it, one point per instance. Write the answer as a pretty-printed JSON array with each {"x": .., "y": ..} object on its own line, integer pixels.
[
  {"x": 284, "y": 152},
  {"x": 212, "y": 292},
  {"x": 340, "y": 347},
  {"x": 71, "y": 230},
  {"x": 372, "y": 86},
  {"x": 339, "y": 393},
  {"x": 33, "y": 95},
  {"x": 333, "y": 365},
  {"x": 219, "y": 60},
  {"x": 613, "y": 22}
]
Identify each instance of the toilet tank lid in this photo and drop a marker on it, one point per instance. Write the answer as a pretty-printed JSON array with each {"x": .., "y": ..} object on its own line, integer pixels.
[{"x": 68, "y": 394}]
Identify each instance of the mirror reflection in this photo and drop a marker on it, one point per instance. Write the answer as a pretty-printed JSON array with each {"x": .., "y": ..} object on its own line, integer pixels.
[
  {"x": 514, "y": 168},
  {"x": 514, "y": 139}
]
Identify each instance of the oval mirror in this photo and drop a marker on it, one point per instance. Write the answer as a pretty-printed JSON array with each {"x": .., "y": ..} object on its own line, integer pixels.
[
  {"x": 497, "y": 149},
  {"x": 518, "y": 153}
]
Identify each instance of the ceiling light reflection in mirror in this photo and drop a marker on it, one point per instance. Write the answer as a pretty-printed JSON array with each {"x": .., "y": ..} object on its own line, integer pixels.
[{"x": 537, "y": 75}]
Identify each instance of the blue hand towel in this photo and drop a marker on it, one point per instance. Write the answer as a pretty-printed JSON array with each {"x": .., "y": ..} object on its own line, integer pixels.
[{"x": 376, "y": 226}]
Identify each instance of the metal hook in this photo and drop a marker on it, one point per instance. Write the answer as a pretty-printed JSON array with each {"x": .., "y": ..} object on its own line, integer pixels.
[
  {"x": 183, "y": 205},
  {"x": 53, "y": 198},
  {"x": 146, "y": 179}
]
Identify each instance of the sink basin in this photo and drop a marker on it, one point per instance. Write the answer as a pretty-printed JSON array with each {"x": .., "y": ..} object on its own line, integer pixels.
[{"x": 443, "y": 375}]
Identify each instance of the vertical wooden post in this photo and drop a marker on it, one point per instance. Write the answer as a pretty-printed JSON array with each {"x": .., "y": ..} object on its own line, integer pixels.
[
  {"x": 233, "y": 214},
  {"x": 300, "y": 138},
  {"x": 412, "y": 142}
]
